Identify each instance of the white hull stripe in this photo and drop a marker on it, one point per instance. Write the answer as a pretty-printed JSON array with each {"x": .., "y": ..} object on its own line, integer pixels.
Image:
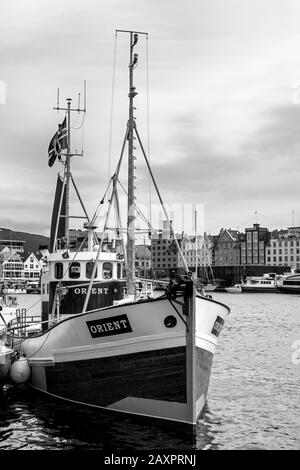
[
  {"x": 115, "y": 348},
  {"x": 155, "y": 408}
]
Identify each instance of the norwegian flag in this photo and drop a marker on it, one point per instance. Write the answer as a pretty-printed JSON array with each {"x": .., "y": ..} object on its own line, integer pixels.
[{"x": 58, "y": 143}]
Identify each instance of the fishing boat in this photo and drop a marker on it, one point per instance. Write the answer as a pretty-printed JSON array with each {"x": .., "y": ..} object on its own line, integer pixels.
[{"x": 105, "y": 341}]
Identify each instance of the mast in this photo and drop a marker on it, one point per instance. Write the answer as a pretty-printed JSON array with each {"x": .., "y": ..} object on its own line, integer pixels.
[
  {"x": 68, "y": 155},
  {"x": 68, "y": 171},
  {"x": 196, "y": 246},
  {"x": 131, "y": 176}
]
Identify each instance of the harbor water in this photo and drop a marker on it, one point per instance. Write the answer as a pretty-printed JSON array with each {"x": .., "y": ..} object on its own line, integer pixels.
[{"x": 253, "y": 401}]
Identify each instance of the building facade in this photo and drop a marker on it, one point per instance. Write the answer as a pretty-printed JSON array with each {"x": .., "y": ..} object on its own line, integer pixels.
[
  {"x": 227, "y": 248},
  {"x": 198, "y": 252},
  {"x": 143, "y": 260},
  {"x": 284, "y": 248},
  {"x": 253, "y": 245},
  {"x": 164, "y": 252},
  {"x": 32, "y": 267},
  {"x": 12, "y": 245},
  {"x": 11, "y": 266}
]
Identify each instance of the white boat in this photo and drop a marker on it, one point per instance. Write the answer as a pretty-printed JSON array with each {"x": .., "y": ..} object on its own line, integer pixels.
[
  {"x": 265, "y": 283},
  {"x": 105, "y": 342},
  {"x": 236, "y": 289},
  {"x": 289, "y": 283}
]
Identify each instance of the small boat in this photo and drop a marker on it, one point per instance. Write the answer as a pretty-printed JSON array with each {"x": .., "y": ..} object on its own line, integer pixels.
[
  {"x": 105, "y": 342},
  {"x": 12, "y": 288},
  {"x": 33, "y": 288},
  {"x": 266, "y": 283},
  {"x": 209, "y": 287},
  {"x": 236, "y": 289},
  {"x": 289, "y": 283}
]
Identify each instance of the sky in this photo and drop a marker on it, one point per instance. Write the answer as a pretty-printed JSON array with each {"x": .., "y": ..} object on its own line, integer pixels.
[{"x": 218, "y": 107}]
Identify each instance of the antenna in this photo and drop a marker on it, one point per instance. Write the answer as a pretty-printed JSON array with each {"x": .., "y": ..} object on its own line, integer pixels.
[
  {"x": 68, "y": 155},
  {"x": 57, "y": 99}
]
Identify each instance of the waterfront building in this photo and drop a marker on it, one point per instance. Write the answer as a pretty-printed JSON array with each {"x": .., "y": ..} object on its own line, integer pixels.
[
  {"x": 12, "y": 245},
  {"x": 227, "y": 248},
  {"x": 32, "y": 267},
  {"x": 284, "y": 248},
  {"x": 143, "y": 260},
  {"x": 253, "y": 245},
  {"x": 11, "y": 266},
  {"x": 164, "y": 253},
  {"x": 198, "y": 252}
]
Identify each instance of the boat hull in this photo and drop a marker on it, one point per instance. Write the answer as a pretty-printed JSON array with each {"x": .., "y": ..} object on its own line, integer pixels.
[
  {"x": 289, "y": 289},
  {"x": 5, "y": 363},
  {"x": 257, "y": 289},
  {"x": 132, "y": 358},
  {"x": 233, "y": 290}
]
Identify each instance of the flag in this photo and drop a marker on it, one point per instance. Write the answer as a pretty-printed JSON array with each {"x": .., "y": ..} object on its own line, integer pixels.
[
  {"x": 52, "y": 154},
  {"x": 61, "y": 229},
  {"x": 62, "y": 138},
  {"x": 58, "y": 142}
]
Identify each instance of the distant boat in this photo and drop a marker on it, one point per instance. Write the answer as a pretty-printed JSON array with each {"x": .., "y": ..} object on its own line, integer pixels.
[
  {"x": 289, "y": 283},
  {"x": 265, "y": 283},
  {"x": 105, "y": 342},
  {"x": 236, "y": 289},
  {"x": 33, "y": 288},
  {"x": 8, "y": 287}
]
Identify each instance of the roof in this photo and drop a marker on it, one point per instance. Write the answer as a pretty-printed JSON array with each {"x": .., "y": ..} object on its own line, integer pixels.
[
  {"x": 142, "y": 251},
  {"x": 7, "y": 255}
]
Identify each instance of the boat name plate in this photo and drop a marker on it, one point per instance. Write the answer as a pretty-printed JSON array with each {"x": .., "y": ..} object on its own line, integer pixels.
[
  {"x": 109, "y": 326},
  {"x": 217, "y": 326}
]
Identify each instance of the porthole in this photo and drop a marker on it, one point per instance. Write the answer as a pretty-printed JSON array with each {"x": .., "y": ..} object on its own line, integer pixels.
[{"x": 170, "y": 321}]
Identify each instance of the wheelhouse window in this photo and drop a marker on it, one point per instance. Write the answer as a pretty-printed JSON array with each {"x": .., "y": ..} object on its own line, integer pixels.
[
  {"x": 107, "y": 270},
  {"x": 58, "y": 270},
  {"x": 119, "y": 270},
  {"x": 89, "y": 269},
  {"x": 74, "y": 270}
]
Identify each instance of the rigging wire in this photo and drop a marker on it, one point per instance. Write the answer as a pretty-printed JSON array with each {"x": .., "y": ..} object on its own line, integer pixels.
[
  {"x": 148, "y": 126},
  {"x": 137, "y": 209}
]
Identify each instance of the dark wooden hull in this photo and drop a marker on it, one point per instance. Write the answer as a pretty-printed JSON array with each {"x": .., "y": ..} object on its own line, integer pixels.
[{"x": 150, "y": 378}]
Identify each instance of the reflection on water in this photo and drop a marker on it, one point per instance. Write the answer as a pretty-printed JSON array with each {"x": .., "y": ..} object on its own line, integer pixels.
[{"x": 253, "y": 400}]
